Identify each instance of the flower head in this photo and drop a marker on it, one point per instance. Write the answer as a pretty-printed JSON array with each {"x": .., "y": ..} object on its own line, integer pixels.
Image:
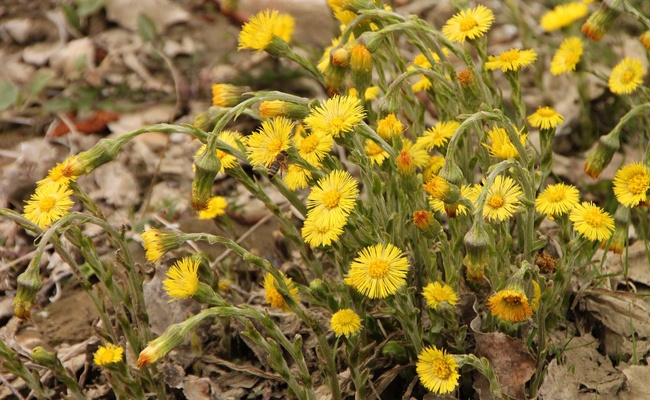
[
  {"x": 320, "y": 233},
  {"x": 511, "y": 60},
  {"x": 434, "y": 165},
  {"x": 376, "y": 154},
  {"x": 510, "y": 304},
  {"x": 458, "y": 209},
  {"x": 338, "y": 115},
  {"x": 557, "y": 199},
  {"x": 631, "y": 184},
  {"x": 272, "y": 294},
  {"x": 297, "y": 177},
  {"x": 502, "y": 199},
  {"x": 545, "y": 118},
  {"x": 314, "y": 147},
  {"x": 626, "y": 76},
  {"x": 226, "y": 95},
  {"x": 272, "y": 138},
  {"x": 470, "y": 24},
  {"x": 378, "y": 271},
  {"x": 563, "y": 15},
  {"x": 436, "y": 293},
  {"x": 592, "y": 221},
  {"x": 411, "y": 156},
  {"x": 645, "y": 39},
  {"x": 345, "y": 322},
  {"x": 601, "y": 21},
  {"x": 216, "y": 207},
  {"x": 182, "y": 279},
  {"x": 108, "y": 354},
  {"x": 567, "y": 57},
  {"x": 333, "y": 198},
  {"x": 389, "y": 126},
  {"x": 500, "y": 144},
  {"x": 157, "y": 243},
  {"x": 438, "y": 135},
  {"x": 49, "y": 202},
  {"x": 58, "y": 175},
  {"x": 437, "y": 370},
  {"x": 258, "y": 33},
  {"x": 437, "y": 187}
]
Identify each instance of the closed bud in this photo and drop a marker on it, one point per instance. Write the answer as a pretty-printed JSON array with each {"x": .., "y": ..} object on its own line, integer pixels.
[
  {"x": 645, "y": 39},
  {"x": 601, "y": 156},
  {"x": 469, "y": 87},
  {"x": 600, "y": 22},
  {"x": 451, "y": 171},
  {"x": 158, "y": 348},
  {"x": 207, "y": 166},
  {"x": 361, "y": 65},
  {"x": 206, "y": 120},
  {"x": 29, "y": 282},
  {"x": 44, "y": 357},
  {"x": 477, "y": 244},
  {"x": 334, "y": 77},
  {"x": 619, "y": 237},
  {"x": 158, "y": 242},
  {"x": 104, "y": 151},
  {"x": 280, "y": 108},
  {"x": 423, "y": 220},
  {"x": 226, "y": 95},
  {"x": 341, "y": 57}
]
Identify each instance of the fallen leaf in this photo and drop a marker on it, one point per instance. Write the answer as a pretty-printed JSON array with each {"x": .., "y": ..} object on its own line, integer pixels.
[
  {"x": 638, "y": 384},
  {"x": 510, "y": 360},
  {"x": 559, "y": 383},
  {"x": 162, "y": 13},
  {"x": 621, "y": 312},
  {"x": 96, "y": 123}
]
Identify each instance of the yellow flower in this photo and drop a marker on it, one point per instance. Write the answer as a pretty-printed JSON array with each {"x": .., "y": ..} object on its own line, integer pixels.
[
  {"x": 500, "y": 144},
  {"x": 272, "y": 138},
  {"x": 216, "y": 207},
  {"x": 557, "y": 199},
  {"x": 631, "y": 184},
  {"x": 376, "y": 154},
  {"x": 324, "y": 61},
  {"x": 422, "y": 219},
  {"x": 645, "y": 39},
  {"x": 389, "y": 126},
  {"x": 502, "y": 199},
  {"x": 438, "y": 135},
  {"x": 314, "y": 147},
  {"x": 58, "y": 175},
  {"x": 411, "y": 157},
  {"x": 370, "y": 94},
  {"x": 626, "y": 76},
  {"x": 345, "y": 322},
  {"x": 332, "y": 199},
  {"x": 338, "y": 115},
  {"x": 434, "y": 165},
  {"x": 378, "y": 271},
  {"x": 157, "y": 243},
  {"x": 108, "y": 354},
  {"x": 182, "y": 279},
  {"x": 49, "y": 202},
  {"x": 436, "y": 293},
  {"x": 592, "y": 221},
  {"x": 510, "y": 305},
  {"x": 538, "y": 295},
  {"x": 511, "y": 60},
  {"x": 567, "y": 57},
  {"x": 438, "y": 371},
  {"x": 258, "y": 33},
  {"x": 545, "y": 118},
  {"x": 460, "y": 209},
  {"x": 563, "y": 15},
  {"x": 437, "y": 187},
  {"x": 272, "y": 294},
  {"x": 226, "y": 95},
  {"x": 470, "y": 24},
  {"x": 297, "y": 177},
  {"x": 320, "y": 233}
]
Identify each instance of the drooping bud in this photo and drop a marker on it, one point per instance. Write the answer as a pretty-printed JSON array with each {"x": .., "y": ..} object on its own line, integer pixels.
[
  {"x": 226, "y": 95},
  {"x": 29, "y": 282},
  {"x": 158, "y": 348},
  {"x": 207, "y": 166},
  {"x": 422, "y": 219},
  {"x": 280, "y": 108},
  {"x": 601, "y": 156},
  {"x": 341, "y": 57},
  {"x": 158, "y": 242},
  {"x": 361, "y": 66},
  {"x": 600, "y": 22}
]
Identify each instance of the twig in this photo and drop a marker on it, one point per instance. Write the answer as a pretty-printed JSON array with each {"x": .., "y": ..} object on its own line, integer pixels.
[
  {"x": 21, "y": 258},
  {"x": 13, "y": 390},
  {"x": 241, "y": 239}
]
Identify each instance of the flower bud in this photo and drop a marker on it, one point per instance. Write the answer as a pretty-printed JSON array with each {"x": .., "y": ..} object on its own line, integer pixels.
[
  {"x": 43, "y": 357},
  {"x": 341, "y": 57},
  {"x": 361, "y": 65},
  {"x": 29, "y": 282},
  {"x": 158, "y": 348},
  {"x": 619, "y": 237},
  {"x": 226, "y": 95},
  {"x": 422, "y": 219},
  {"x": 601, "y": 156},
  {"x": 469, "y": 86},
  {"x": 104, "y": 151},
  {"x": 206, "y": 120},
  {"x": 645, "y": 39},
  {"x": 207, "y": 166},
  {"x": 451, "y": 171},
  {"x": 600, "y": 22},
  {"x": 477, "y": 244},
  {"x": 280, "y": 108},
  {"x": 389, "y": 126},
  {"x": 158, "y": 242}
]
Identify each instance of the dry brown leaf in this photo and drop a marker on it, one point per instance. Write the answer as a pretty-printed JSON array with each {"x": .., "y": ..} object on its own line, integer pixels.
[
  {"x": 200, "y": 389},
  {"x": 638, "y": 384},
  {"x": 162, "y": 13},
  {"x": 510, "y": 360},
  {"x": 559, "y": 383},
  {"x": 621, "y": 312}
]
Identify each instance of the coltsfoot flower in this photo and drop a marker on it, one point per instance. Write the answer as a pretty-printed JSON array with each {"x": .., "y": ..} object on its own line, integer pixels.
[
  {"x": 216, "y": 207},
  {"x": 626, "y": 76},
  {"x": 563, "y": 15},
  {"x": 631, "y": 184},
  {"x": 437, "y": 370},
  {"x": 567, "y": 57},
  {"x": 378, "y": 271},
  {"x": 320, "y": 233},
  {"x": 389, "y": 126},
  {"x": 49, "y": 202},
  {"x": 502, "y": 199},
  {"x": 592, "y": 222},
  {"x": 438, "y": 136},
  {"x": 182, "y": 279},
  {"x": 411, "y": 156},
  {"x": 269, "y": 141},
  {"x": 545, "y": 118},
  {"x": 510, "y": 304},
  {"x": 297, "y": 177},
  {"x": 227, "y": 95},
  {"x": 333, "y": 198},
  {"x": 157, "y": 243},
  {"x": 375, "y": 153},
  {"x": 500, "y": 145},
  {"x": 511, "y": 60},
  {"x": 557, "y": 199},
  {"x": 258, "y": 33},
  {"x": 313, "y": 147},
  {"x": 336, "y": 116},
  {"x": 436, "y": 293},
  {"x": 470, "y": 24},
  {"x": 273, "y": 296},
  {"x": 227, "y": 160},
  {"x": 108, "y": 354},
  {"x": 59, "y": 174},
  {"x": 434, "y": 165},
  {"x": 345, "y": 322}
]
